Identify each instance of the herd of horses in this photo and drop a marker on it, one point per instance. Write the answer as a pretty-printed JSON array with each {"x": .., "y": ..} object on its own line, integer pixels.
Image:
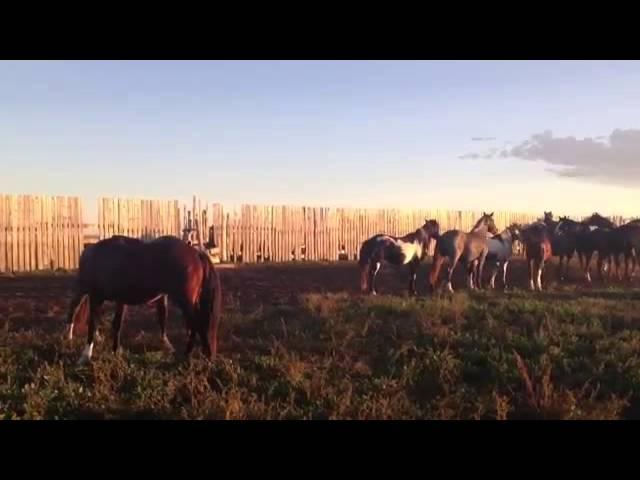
[
  {"x": 542, "y": 239},
  {"x": 128, "y": 271}
]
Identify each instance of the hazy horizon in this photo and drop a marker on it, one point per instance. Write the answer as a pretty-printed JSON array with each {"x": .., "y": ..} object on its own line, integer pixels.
[{"x": 523, "y": 136}]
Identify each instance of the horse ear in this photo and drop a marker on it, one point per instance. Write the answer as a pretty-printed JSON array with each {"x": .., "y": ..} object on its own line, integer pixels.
[{"x": 491, "y": 214}]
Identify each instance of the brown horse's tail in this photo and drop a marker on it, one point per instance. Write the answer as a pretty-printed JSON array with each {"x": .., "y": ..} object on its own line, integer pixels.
[
  {"x": 78, "y": 317},
  {"x": 210, "y": 303},
  {"x": 438, "y": 260}
]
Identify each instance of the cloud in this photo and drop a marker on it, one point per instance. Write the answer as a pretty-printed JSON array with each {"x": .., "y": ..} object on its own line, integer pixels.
[
  {"x": 614, "y": 161},
  {"x": 491, "y": 153},
  {"x": 482, "y": 139}
]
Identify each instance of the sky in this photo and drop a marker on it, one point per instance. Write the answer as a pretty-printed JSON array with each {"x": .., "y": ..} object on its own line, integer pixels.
[{"x": 524, "y": 136}]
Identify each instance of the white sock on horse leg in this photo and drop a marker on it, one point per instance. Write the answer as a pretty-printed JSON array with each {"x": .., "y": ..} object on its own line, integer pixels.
[{"x": 86, "y": 354}]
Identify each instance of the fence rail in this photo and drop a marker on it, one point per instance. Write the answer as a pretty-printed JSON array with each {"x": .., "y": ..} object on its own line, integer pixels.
[
  {"x": 38, "y": 232},
  {"x": 144, "y": 219},
  {"x": 280, "y": 233}
]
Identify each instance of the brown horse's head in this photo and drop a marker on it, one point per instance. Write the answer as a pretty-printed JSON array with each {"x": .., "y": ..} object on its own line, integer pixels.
[
  {"x": 431, "y": 228},
  {"x": 486, "y": 222},
  {"x": 210, "y": 304},
  {"x": 548, "y": 217}
]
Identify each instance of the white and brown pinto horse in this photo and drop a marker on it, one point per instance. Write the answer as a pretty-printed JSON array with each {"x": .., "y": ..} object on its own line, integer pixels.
[{"x": 408, "y": 250}]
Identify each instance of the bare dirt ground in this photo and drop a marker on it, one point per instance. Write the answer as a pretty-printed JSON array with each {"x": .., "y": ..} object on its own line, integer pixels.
[{"x": 40, "y": 300}]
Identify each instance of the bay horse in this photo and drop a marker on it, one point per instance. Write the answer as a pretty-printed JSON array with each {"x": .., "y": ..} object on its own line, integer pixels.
[
  {"x": 468, "y": 247},
  {"x": 591, "y": 236},
  {"x": 410, "y": 249},
  {"x": 537, "y": 247},
  {"x": 625, "y": 240},
  {"x": 563, "y": 244},
  {"x": 128, "y": 271},
  {"x": 501, "y": 251}
]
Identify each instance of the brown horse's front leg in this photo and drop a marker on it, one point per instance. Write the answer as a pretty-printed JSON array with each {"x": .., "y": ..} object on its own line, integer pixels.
[
  {"x": 162, "y": 310},
  {"x": 118, "y": 317},
  {"x": 413, "y": 272},
  {"x": 483, "y": 258},
  {"x": 531, "y": 270},
  {"x": 94, "y": 316}
]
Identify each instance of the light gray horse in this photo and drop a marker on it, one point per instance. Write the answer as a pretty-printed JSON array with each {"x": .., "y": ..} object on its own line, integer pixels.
[
  {"x": 501, "y": 251},
  {"x": 470, "y": 248}
]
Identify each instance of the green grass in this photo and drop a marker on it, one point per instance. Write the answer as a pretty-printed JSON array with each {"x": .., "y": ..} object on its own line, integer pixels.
[{"x": 339, "y": 356}]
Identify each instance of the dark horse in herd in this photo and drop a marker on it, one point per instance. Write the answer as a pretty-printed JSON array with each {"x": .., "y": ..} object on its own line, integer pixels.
[{"x": 128, "y": 271}]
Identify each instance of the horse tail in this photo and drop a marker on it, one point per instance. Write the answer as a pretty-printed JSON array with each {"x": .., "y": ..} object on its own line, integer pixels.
[
  {"x": 365, "y": 258},
  {"x": 438, "y": 260},
  {"x": 210, "y": 302}
]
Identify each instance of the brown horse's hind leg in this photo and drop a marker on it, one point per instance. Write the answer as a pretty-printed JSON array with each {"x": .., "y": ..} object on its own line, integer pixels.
[
  {"x": 118, "y": 317},
  {"x": 539, "y": 278},
  {"x": 480, "y": 269},
  {"x": 452, "y": 266},
  {"x": 627, "y": 258},
  {"x": 587, "y": 267},
  {"x": 189, "y": 314},
  {"x": 162, "y": 310},
  {"x": 560, "y": 273},
  {"x": 566, "y": 266},
  {"x": 374, "y": 268},
  {"x": 471, "y": 271}
]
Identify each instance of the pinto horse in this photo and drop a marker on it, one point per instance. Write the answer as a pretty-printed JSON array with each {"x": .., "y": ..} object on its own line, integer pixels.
[
  {"x": 128, "y": 271},
  {"x": 468, "y": 247},
  {"x": 410, "y": 249}
]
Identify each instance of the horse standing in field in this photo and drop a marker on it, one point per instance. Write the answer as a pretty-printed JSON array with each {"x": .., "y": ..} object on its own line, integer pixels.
[
  {"x": 501, "y": 251},
  {"x": 610, "y": 242},
  {"x": 591, "y": 236},
  {"x": 537, "y": 247},
  {"x": 563, "y": 244},
  {"x": 469, "y": 247},
  {"x": 128, "y": 271},
  {"x": 410, "y": 249},
  {"x": 624, "y": 240}
]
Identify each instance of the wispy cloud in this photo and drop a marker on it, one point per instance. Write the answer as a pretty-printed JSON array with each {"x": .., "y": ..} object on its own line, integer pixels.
[
  {"x": 614, "y": 159},
  {"x": 482, "y": 139}
]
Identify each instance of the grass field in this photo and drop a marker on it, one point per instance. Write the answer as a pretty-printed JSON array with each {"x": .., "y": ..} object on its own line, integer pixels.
[{"x": 299, "y": 342}]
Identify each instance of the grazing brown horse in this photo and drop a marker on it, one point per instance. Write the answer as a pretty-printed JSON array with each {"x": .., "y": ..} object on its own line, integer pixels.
[
  {"x": 128, "y": 271},
  {"x": 468, "y": 247},
  {"x": 410, "y": 249},
  {"x": 537, "y": 247}
]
